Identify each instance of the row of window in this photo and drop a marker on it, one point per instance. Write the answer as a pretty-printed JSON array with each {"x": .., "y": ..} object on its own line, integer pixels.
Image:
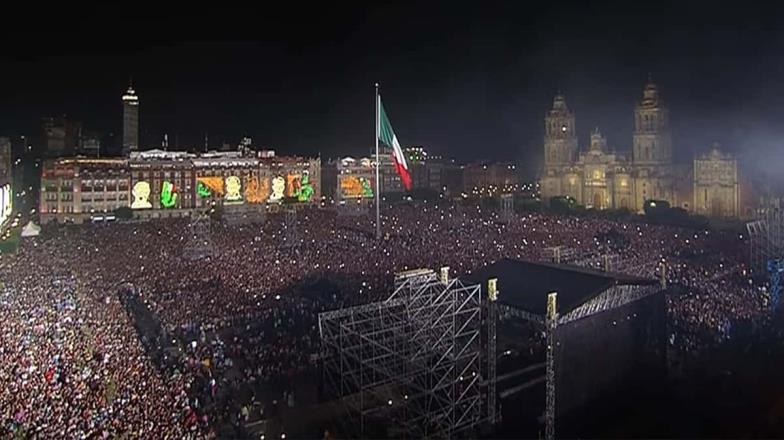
[
  {"x": 123, "y": 188},
  {"x": 163, "y": 174},
  {"x": 101, "y": 182},
  {"x": 121, "y": 197}
]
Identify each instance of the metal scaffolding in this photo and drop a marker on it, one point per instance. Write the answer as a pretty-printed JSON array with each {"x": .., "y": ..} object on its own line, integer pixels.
[
  {"x": 775, "y": 269},
  {"x": 411, "y": 363},
  {"x": 645, "y": 270},
  {"x": 244, "y": 214},
  {"x": 558, "y": 254},
  {"x": 291, "y": 236},
  {"x": 612, "y": 298},
  {"x": 352, "y": 209},
  {"x": 507, "y": 208},
  {"x": 766, "y": 239},
  {"x": 603, "y": 262},
  {"x": 551, "y": 321},
  {"x": 199, "y": 243},
  {"x": 492, "y": 350}
]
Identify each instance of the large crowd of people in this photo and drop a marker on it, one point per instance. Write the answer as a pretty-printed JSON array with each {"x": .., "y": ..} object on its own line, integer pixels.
[{"x": 110, "y": 331}]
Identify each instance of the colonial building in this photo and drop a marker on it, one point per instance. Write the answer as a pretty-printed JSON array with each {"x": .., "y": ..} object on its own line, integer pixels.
[
  {"x": 716, "y": 192},
  {"x": 605, "y": 176},
  {"x": 355, "y": 179},
  {"x": 483, "y": 179},
  {"x": 72, "y": 189},
  {"x": 158, "y": 184},
  {"x": 602, "y": 178},
  {"x": 425, "y": 168}
]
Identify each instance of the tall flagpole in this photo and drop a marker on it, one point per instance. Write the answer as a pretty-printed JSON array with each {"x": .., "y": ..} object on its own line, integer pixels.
[{"x": 378, "y": 166}]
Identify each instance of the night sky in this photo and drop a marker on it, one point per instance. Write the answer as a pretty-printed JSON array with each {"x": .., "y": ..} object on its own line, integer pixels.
[{"x": 470, "y": 82}]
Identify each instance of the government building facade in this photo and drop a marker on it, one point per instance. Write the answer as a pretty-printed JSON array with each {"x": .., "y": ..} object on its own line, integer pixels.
[{"x": 601, "y": 178}]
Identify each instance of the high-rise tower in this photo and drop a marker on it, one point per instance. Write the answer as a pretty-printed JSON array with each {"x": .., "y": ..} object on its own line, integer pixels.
[{"x": 130, "y": 121}]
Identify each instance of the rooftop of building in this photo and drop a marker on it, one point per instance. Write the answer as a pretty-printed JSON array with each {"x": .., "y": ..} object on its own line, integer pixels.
[{"x": 715, "y": 153}]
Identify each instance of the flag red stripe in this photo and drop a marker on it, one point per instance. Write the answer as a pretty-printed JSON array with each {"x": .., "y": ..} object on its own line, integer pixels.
[{"x": 403, "y": 173}]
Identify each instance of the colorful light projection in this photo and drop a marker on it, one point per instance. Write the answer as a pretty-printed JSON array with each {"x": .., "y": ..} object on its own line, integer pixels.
[
  {"x": 293, "y": 182},
  {"x": 209, "y": 185},
  {"x": 233, "y": 189},
  {"x": 355, "y": 187},
  {"x": 168, "y": 194},
  {"x": 299, "y": 186},
  {"x": 306, "y": 188},
  {"x": 257, "y": 190},
  {"x": 278, "y": 188},
  {"x": 141, "y": 195},
  {"x": 203, "y": 190}
]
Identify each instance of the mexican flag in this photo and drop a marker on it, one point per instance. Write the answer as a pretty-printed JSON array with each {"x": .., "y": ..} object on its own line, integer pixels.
[{"x": 387, "y": 136}]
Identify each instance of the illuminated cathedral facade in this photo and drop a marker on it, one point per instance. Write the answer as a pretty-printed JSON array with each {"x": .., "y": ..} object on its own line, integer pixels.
[{"x": 601, "y": 178}]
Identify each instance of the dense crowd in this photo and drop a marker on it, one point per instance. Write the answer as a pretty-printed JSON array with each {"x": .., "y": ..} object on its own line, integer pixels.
[
  {"x": 77, "y": 357},
  {"x": 72, "y": 365}
]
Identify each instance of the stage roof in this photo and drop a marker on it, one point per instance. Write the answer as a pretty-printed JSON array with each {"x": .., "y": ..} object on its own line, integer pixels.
[{"x": 524, "y": 284}]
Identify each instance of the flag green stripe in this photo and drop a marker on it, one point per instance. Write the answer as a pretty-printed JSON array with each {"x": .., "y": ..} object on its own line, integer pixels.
[{"x": 385, "y": 133}]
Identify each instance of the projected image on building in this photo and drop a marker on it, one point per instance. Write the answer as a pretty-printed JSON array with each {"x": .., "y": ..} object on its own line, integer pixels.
[
  {"x": 293, "y": 183},
  {"x": 306, "y": 188},
  {"x": 168, "y": 194},
  {"x": 257, "y": 190},
  {"x": 141, "y": 195},
  {"x": 209, "y": 185},
  {"x": 278, "y": 188},
  {"x": 301, "y": 187},
  {"x": 355, "y": 187},
  {"x": 203, "y": 190},
  {"x": 233, "y": 189}
]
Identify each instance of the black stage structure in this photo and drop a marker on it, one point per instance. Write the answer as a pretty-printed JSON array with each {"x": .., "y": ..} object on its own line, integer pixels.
[
  {"x": 567, "y": 337},
  {"x": 499, "y": 352}
]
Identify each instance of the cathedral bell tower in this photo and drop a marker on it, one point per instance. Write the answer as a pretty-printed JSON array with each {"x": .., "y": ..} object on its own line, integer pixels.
[
  {"x": 560, "y": 153},
  {"x": 652, "y": 141},
  {"x": 560, "y": 141}
]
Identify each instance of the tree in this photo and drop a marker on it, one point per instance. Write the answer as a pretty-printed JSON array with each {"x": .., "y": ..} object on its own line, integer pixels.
[
  {"x": 527, "y": 204},
  {"x": 216, "y": 212},
  {"x": 123, "y": 213},
  {"x": 656, "y": 208},
  {"x": 564, "y": 205}
]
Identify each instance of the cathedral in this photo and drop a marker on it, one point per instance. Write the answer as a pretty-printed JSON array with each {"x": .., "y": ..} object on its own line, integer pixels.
[{"x": 601, "y": 178}]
